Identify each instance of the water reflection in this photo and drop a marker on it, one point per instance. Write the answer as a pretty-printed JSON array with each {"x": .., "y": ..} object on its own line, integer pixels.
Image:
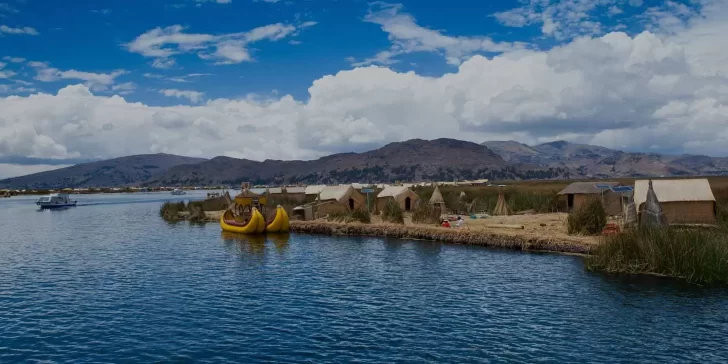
[
  {"x": 280, "y": 241},
  {"x": 254, "y": 245}
]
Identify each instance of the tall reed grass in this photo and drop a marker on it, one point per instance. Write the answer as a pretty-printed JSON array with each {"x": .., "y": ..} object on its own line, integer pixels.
[
  {"x": 483, "y": 199},
  {"x": 392, "y": 213},
  {"x": 589, "y": 219},
  {"x": 696, "y": 255}
]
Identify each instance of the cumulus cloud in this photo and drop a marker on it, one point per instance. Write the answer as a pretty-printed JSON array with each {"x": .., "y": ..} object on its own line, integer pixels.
[
  {"x": 193, "y": 96},
  {"x": 649, "y": 91},
  {"x": 4, "y": 29},
  {"x": 96, "y": 81},
  {"x": 409, "y": 37},
  {"x": 231, "y": 48}
]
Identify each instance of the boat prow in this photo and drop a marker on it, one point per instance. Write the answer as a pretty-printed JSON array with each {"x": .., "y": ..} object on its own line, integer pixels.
[
  {"x": 255, "y": 225},
  {"x": 280, "y": 223}
]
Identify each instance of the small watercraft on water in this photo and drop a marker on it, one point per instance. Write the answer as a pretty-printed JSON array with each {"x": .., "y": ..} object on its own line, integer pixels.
[
  {"x": 280, "y": 222},
  {"x": 55, "y": 200},
  {"x": 178, "y": 191},
  {"x": 246, "y": 215},
  {"x": 254, "y": 225}
]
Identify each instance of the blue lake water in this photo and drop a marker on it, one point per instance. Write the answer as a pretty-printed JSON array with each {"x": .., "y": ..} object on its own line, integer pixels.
[{"x": 109, "y": 281}]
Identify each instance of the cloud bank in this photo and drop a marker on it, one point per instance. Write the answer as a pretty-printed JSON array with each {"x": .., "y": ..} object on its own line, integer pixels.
[{"x": 653, "y": 91}]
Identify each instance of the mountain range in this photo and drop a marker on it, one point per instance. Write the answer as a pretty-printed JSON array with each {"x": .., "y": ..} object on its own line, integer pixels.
[
  {"x": 412, "y": 160},
  {"x": 590, "y": 161}
]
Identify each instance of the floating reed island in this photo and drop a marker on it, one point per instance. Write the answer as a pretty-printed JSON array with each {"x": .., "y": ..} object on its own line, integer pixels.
[{"x": 454, "y": 236}]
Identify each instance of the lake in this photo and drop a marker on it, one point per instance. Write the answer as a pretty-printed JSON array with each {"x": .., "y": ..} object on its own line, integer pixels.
[{"x": 109, "y": 281}]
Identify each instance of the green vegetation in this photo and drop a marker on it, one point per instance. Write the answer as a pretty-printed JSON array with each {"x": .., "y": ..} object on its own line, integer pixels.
[
  {"x": 696, "y": 255},
  {"x": 393, "y": 213},
  {"x": 590, "y": 219},
  {"x": 426, "y": 214},
  {"x": 193, "y": 211},
  {"x": 538, "y": 198},
  {"x": 170, "y": 210},
  {"x": 360, "y": 215}
]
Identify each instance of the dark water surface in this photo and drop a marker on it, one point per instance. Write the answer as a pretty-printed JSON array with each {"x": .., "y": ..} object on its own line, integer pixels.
[{"x": 109, "y": 281}]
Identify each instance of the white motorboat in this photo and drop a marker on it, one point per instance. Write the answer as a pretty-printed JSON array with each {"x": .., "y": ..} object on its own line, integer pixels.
[
  {"x": 178, "y": 191},
  {"x": 55, "y": 200}
]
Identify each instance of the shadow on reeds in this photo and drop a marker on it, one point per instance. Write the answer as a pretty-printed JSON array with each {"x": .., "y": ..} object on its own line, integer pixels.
[{"x": 696, "y": 255}]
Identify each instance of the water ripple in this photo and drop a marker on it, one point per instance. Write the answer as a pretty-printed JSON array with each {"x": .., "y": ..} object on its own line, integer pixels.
[{"x": 110, "y": 282}]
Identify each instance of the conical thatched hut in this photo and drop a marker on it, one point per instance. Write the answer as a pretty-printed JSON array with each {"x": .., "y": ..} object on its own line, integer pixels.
[
  {"x": 651, "y": 211},
  {"x": 437, "y": 201},
  {"x": 501, "y": 207}
]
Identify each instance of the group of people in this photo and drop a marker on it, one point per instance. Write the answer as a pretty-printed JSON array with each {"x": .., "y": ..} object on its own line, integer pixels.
[{"x": 458, "y": 223}]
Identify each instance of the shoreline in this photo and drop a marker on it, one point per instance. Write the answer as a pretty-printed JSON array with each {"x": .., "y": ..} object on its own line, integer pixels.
[
  {"x": 512, "y": 240},
  {"x": 450, "y": 236}
]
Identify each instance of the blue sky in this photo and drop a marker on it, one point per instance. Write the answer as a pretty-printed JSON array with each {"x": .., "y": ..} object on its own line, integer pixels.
[{"x": 304, "y": 78}]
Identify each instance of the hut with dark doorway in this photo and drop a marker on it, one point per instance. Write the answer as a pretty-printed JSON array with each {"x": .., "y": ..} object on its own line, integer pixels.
[
  {"x": 404, "y": 197},
  {"x": 577, "y": 194},
  {"x": 339, "y": 199},
  {"x": 683, "y": 201}
]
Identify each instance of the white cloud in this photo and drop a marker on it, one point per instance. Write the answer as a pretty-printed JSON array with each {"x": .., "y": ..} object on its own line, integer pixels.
[
  {"x": 163, "y": 63},
  {"x": 193, "y": 96},
  {"x": 14, "y": 59},
  {"x": 124, "y": 88},
  {"x": 6, "y": 73},
  {"x": 15, "y": 170},
  {"x": 96, "y": 81},
  {"x": 561, "y": 19},
  {"x": 24, "y": 30},
  {"x": 231, "y": 48},
  {"x": 408, "y": 37},
  {"x": 651, "y": 91}
]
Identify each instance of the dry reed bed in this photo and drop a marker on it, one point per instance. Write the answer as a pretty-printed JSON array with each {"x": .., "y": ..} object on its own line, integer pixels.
[{"x": 454, "y": 236}]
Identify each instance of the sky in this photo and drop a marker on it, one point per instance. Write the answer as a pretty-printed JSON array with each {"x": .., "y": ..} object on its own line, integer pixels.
[{"x": 300, "y": 79}]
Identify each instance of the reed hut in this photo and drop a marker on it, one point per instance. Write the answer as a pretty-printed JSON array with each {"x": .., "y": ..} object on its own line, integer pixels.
[
  {"x": 340, "y": 199},
  {"x": 297, "y": 194},
  {"x": 683, "y": 201},
  {"x": 401, "y": 195},
  {"x": 578, "y": 194},
  {"x": 437, "y": 201}
]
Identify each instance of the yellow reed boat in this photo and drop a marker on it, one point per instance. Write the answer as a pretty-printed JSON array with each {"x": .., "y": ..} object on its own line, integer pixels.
[
  {"x": 280, "y": 223},
  {"x": 249, "y": 216},
  {"x": 254, "y": 225}
]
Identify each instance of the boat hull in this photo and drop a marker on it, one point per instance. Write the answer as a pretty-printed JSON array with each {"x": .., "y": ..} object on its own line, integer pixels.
[
  {"x": 56, "y": 206},
  {"x": 280, "y": 223},
  {"x": 256, "y": 225}
]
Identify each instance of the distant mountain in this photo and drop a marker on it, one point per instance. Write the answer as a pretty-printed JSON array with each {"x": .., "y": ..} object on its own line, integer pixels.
[
  {"x": 412, "y": 160},
  {"x": 590, "y": 161},
  {"x": 113, "y": 172},
  {"x": 440, "y": 159}
]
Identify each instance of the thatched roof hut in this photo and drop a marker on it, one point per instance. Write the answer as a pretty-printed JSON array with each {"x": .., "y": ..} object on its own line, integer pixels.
[
  {"x": 340, "y": 199},
  {"x": 437, "y": 200},
  {"x": 578, "y": 194},
  {"x": 683, "y": 201},
  {"x": 401, "y": 195}
]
